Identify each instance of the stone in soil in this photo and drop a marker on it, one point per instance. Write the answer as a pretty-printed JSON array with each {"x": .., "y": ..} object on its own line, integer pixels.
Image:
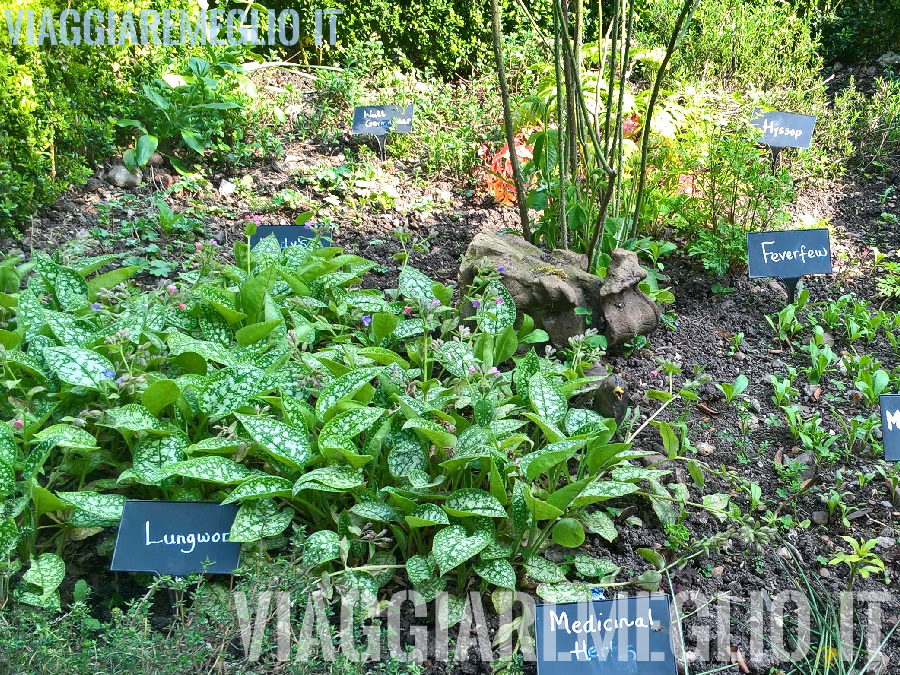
[{"x": 123, "y": 178}]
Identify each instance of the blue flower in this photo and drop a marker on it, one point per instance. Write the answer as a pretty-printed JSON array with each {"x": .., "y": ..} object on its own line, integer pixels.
[
  {"x": 110, "y": 374},
  {"x": 96, "y": 307},
  {"x": 366, "y": 320},
  {"x": 476, "y": 304},
  {"x": 501, "y": 269}
]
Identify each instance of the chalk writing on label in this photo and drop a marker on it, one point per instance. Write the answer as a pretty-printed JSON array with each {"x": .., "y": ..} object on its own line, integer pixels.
[
  {"x": 770, "y": 128},
  {"x": 893, "y": 419},
  {"x": 595, "y": 623},
  {"x": 801, "y": 254},
  {"x": 185, "y": 539}
]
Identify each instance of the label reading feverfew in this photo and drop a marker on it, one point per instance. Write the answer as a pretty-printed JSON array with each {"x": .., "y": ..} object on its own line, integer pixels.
[
  {"x": 176, "y": 538},
  {"x": 789, "y": 255}
]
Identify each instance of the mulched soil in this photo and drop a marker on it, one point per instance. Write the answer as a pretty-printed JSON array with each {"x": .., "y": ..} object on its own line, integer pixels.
[{"x": 700, "y": 338}]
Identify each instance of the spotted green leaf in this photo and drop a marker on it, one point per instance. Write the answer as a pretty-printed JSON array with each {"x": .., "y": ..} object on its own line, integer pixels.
[
  {"x": 46, "y": 572},
  {"x": 9, "y": 536},
  {"x": 351, "y": 423},
  {"x": 600, "y": 523},
  {"x": 420, "y": 569},
  {"x": 474, "y": 502},
  {"x": 408, "y": 329},
  {"x": 717, "y": 503},
  {"x": 632, "y": 474},
  {"x": 546, "y": 399},
  {"x": 589, "y": 566},
  {"x": 132, "y": 417},
  {"x": 69, "y": 330},
  {"x": 26, "y": 362},
  {"x": 179, "y": 344},
  {"x": 456, "y": 357},
  {"x": 342, "y": 388},
  {"x": 258, "y": 519},
  {"x": 289, "y": 445},
  {"x": 8, "y": 453},
  {"x": 215, "y": 446},
  {"x": 153, "y": 454},
  {"x": 406, "y": 455},
  {"x": 224, "y": 302},
  {"x": 67, "y": 436},
  {"x": 498, "y": 572},
  {"x": 433, "y": 431},
  {"x": 494, "y": 317},
  {"x": 68, "y": 286},
  {"x": 452, "y": 546},
  {"x": 602, "y": 491},
  {"x": 214, "y": 327},
  {"x": 540, "y": 461},
  {"x": 564, "y": 592},
  {"x": 414, "y": 285},
  {"x": 92, "y": 509},
  {"x": 579, "y": 418},
  {"x": 430, "y": 589},
  {"x": 209, "y": 468},
  {"x": 78, "y": 367},
  {"x": 376, "y": 511},
  {"x": 427, "y": 515},
  {"x": 544, "y": 571},
  {"x": 321, "y": 547},
  {"x": 230, "y": 389},
  {"x": 329, "y": 479},
  {"x": 258, "y": 487}
]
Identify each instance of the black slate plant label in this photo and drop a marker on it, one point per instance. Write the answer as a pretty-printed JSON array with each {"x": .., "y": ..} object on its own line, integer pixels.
[
  {"x": 380, "y": 119},
  {"x": 784, "y": 129},
  {"x": 289, "y": 235},
  {"x": 176, "y": 538},
  {"x": 890, "y": 426},
  {"x": 788, "y": 255},
  {"x": 612, "y": 637}
]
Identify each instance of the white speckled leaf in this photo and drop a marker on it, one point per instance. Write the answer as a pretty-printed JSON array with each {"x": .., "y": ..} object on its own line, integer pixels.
[
  {"x": 70, "y": 288},
  {"x": 600, "y": 523},
  {"x": 599, "y": 492},
  {"x": 589, "y": 566},
  {"x": 564, "y": 592},
  {"x": 8, "y": 454},
  {"x": 329, "y": 479},
  {"x": 541, "y": 569},
  {"x": 578, "y": 418},
  {"x": 215, "y": 329},
  {"x": 260, "y": 486},
  {"x": 321, "y": 547},
  {"x": 179, "y": 343},
  {"x": 231, "y": 389},
  {"x": 46, "y": 572},
  {"x": 452, "y": 546},
  {"x": 540, "y": 461},
  {"x": 406, "y": 455},
  {"x": 474, "y": 502},
  {"x": 26, "y": 362},
  {"x": 407, "y": 329},
  {"x": 456, "y": 357},
  {"x": 258, "y": 519},
  {"x": 377, "y": 511},
  {"x": 343, "y": 387},
  {"x": 351, "y": 423},
  {"x": 287, "y": 444},
  {"x": 210, "y": 468},
  {"x": 414, "y": 285},
  {"x": 426, "y": 515},
  {"x": 132, "y": 417},
  {"x": 153, "y": 454},
  {"x": 433, "y": 431},
  {"x": 498, "y": 572},
  {"x": 78, "y": 367},
  {"x": 546, "y": 399},
  {"x": 420, "y": 569},
  {"x": 92, "y": 509},
  {"x": 492, "y": 317},
  {"x": 67, "y": 436},
  {"x": 632, "y": 474}
]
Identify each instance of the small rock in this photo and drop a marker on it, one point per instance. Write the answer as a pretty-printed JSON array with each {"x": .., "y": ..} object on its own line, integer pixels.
[
  {"x": 885, "y": 543},
  {"x": 837, "y": 67},
  {"x": 783, "y": 553},
  {"x": 812, "y": 466},
  {"x": 156, "y": 159},
  {"x": 871, "y": 71},
  {"x": 705, "y": 449},
  {"x": 657, "y": 461},
  {"x": 824, "y": 573},
  {"x": 718, "y": 571},
  {"x": 889, "y": 59},
  {"x": 740, "y": 356},
  {"x": 121, "y": 177},
  {"x": 226, "y": 188},
  {"x": 776, "y": 288},
  {"x": 445, "y": 195},
  {"x": 820, "y": 517}
]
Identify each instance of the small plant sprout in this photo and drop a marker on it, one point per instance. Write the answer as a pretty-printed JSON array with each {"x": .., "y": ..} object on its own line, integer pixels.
[
  {"x": 736, "y": 341},
  {"x": 861, "y": 560},
  {"x": 732, "y": 391}
]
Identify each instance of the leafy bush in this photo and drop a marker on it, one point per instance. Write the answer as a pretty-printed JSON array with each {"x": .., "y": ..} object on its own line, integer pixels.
[{"x": 382, "y": 424}]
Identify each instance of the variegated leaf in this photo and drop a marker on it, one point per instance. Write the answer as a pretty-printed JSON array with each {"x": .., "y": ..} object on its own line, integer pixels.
[
  {"x": 407, "y": 454},
  {"x": 132, "y": 417},
  {"x": 456, "y": 357},
  {"x": 230, "y": 389},
  {"x": 92, "y": 509},
  {"x": 498, "y": 572},
  {"x": 79, "y": 367},
  {"x": 589, "y": 566},
  {"x": 258, "y": 487},
  {"x": 600, "y": 523},
  {"x": 351, "y": 423},
  {"x": 8, "y": 453},
  {"x": 321, "y": 547},
  {"x": 329, "y": 479},
  {"x": 602, "y": 491},
  {"x": 546, "y": 399},
  {"x": 46, "y": 572},
  {"x": 287, "y": 444},
  {"x": 258, "y": 519},
  {"x": 420, "y": 569},
  {"x": 153, "y": 454},
  {"x": 452, "y": 546},
  {"x": 343, "y": 387},
  {"x": 544, "y": 571},
  {"x": 474, "y": 502},
  {"x": 427, "y": 515},
  {"x": 70, "y": 288},
  {"x": 179, "y": 343},
  {"x": 414, "y": 285},
  {"x": 210, "y": 468},
  {"x": 66, "y": 436},
  {"x": 376, "y": 511},
  {"x": 497, "y": 310}
]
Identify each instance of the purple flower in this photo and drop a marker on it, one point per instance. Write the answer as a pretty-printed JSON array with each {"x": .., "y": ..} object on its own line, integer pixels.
[
  {"x": 96, "y": 307},
  {"x": 501, "y": 269},
  {"x": 476, "y": 304},
  {"x": 493, "y": 371},
  {"x": 366, "y": 320},
  {"x": 435, "y": 302},
  {"x": 257, "y": 220},
  {"x": 498, "y": 300},
  {"x": 308, "y": 226},
  {"x": 213, "y": 243},
  {"x": 471, "y": 370},
  {"x": 120, "y": 380},
  {"x": 109, "y": 374}
]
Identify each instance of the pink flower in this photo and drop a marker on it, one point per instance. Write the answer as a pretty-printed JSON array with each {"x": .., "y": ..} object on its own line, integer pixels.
[
  {"x": 407, "y": 310},
  {"x": 18, "y": 424},
  {"x": 257, "y": 220},
  {"x": 172, "y": 289},
  {"x": 654, "y": 373},
  {"x": 493, "y": 371},
  {"x": 498, "y": 300},
  {"x": 181, "y": 305},
  {"x": 435, "y": 302},
  {"x": 471, "y": 370},
  {"x": 197, "y": 245}
]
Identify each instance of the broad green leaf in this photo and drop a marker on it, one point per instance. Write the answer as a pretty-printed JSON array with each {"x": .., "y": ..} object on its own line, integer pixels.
[
  {"x": 321, "y": 547},
  {"x": 564, "y": 592},
  {"x": 663, "y": 508},
  {"x": 414, "y": 285},
  {"x": 540, "y": 461},
  {"x": 546, "y": 399},
  {"x": 542, "y": 570},
  {"x": 132, "y": 417},
  {"x": 214, "y": 327},
  {"x": 540, "y": 509},
  {"x": 216, "y": 446},
  {"x": 632, "y": 474},
  {"x": 568, "y": 533},
  {"x": 329, "y": 479},
  {"x": 652, "y": 557},
  {"x": 66, "y": 436},
  {"x": 526, "y": 366},
  {"x": 427, "y": 515},
  {"x": 433, "y": 431},
  {"x": 602, "y": 491},
  {"x": 377, "y": 511},
  {"x": 579, "y": 418},
  {"x": 452, "y": 546},
  {"x": 26, "y": 362},
  {"x": 258, "y": 487},
  {"x": 152, "y": 455},
  {"x": 79, "y": 367},
  {"x": 224, "y": 302},
  {"x": 230, "y": 389},
  {"x": 696, "y": 473},
  {"x": 8, "y": 454},
  {"x": 456, "y": 357},
  {"x": 600, "y": 523},
  {"x": 497, "y": 310},
  {"x": 110, "y": 279},
  {"x": 384, "y": 356},
  {"x": 68, "y": 286},
  {"x": 258, "y": 519},
  {"x": 589, "y": 566},
  {"x": 430, "y": 589},
  {"x": 650, "y": 580},
  {"x": 351, "y": 423},
  {"x": 474, "y": 502},
  {"x": 255, "y": 332},
  {"x": 9, "y": 536},
  {"x": 497, "y": 572},
  {"x": 287, "y": 444},
  {"x": 209, "y": 468},
  {"x": 92, "y": 509},
  {"x": 46, "y": 572},
  {"x": 342, "y": 388},
  {"x": 160, "y": 394},
  {"x": 406, "y": 454},
  {"x": 420, "y": 569},
  {"x": 717, "y": 503}
]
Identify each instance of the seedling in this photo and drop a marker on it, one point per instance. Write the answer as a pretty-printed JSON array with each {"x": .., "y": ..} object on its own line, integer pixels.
[{"x": 861, "y": 560}]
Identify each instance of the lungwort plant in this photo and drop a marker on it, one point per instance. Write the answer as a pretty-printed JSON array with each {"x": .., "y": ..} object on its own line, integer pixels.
[{"x": 401, "y": 439}]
